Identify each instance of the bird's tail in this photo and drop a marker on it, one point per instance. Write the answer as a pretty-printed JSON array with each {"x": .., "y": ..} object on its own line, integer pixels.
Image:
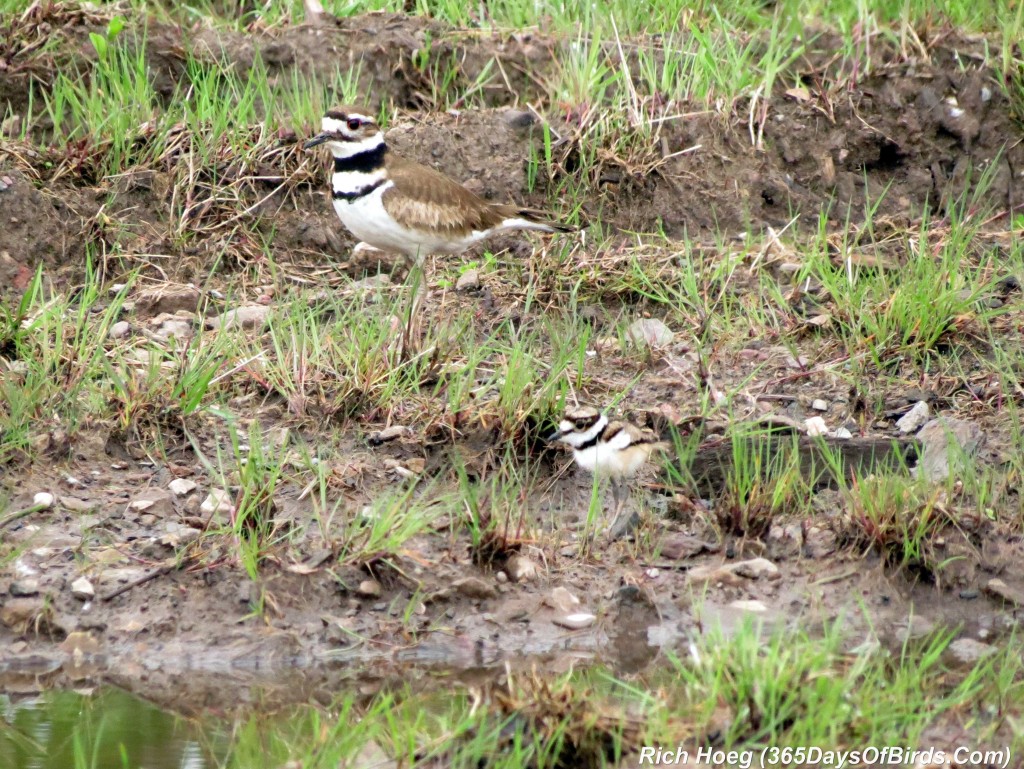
[{"x": 531, "y": 219}]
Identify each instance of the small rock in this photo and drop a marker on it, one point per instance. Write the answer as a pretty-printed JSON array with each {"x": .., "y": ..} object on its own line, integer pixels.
[
  {"x": 24, "y": 588},
  {"x": 468, "y": 281},
  {"x": 815, "y": 426},
  {"x": 677, "y": 546},
  {"x": 521, "y": 569},
  {"x": 369, "y": 588},
  {"x": 175, "y": 327},
  {"x": 842, "y": 434},
  {"x": 516, "y": 118},
  {"x": 43, "y": 499},
  {"x": 968, "y": 594},
  {"x": 501, "y": 577},
  {"x": 968, "y": 652},
  {"x": 914, "y": 419},
  {"x": 753, "y": 606},
  {"x": 82, "y": 589},
  {"x": 179, "y": 487},
  {"x": 247, "y": 316},
  {"x": 474, "y": 587},
  {"x": 819, "y": 405},
  {"x": 19, "y": 613},
  {"x": 76, "y": 505},
  {"x": 178, "y": 535},
  {"x": 575, "y": 621},
  {"x": 373, "y": 282},
  {"x": 819, "y": 542},
  {"x": 154, "y": 502},
  {"x": 947, "y": 445},
  {"x": 119, "y": 330},
  {"x": 388, "y": 434},
  {"x": 217, "y": 501},
  {"x": 784, "y": 541},
  {"x": 756, "y": 568},
  {"x": 999, "y": 589},
  {"x": 562, "y": 600},
  {"x": 649, "y": 332},
  {"x": 713, "y": 574},
  {"x": 168, "y": 300}
]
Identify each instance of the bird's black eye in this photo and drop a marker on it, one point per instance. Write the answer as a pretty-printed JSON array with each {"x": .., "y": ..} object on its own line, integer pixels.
[
  {"x": 354, "y": 123},
  {"x": 581, "y": 424}
]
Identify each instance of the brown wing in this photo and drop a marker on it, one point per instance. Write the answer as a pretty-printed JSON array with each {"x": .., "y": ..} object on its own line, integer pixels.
[
  {"x": 423, "y": 198},
  {"x": 636, "y": 435}
]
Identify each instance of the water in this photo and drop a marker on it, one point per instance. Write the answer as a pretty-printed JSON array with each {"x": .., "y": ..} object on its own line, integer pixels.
[{"x": 108, "y": 730}]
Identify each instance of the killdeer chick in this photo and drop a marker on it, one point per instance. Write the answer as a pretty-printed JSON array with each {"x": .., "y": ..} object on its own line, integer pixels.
[
  {"x": 401, "y": 206},
  {"x": 612, "y": 450}
]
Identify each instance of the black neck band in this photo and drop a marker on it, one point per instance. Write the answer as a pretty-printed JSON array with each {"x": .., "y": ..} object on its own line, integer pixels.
[{"x": 362, "y": 162}]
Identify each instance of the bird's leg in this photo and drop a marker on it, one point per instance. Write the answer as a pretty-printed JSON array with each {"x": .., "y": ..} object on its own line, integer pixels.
[
  {"x": 413, "y": 335},
  {"x": 617, "y": 488}
]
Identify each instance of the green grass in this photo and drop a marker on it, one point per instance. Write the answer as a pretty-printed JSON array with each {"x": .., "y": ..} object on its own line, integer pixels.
[
  {"x": 745, "y": 692},
  {"x": 871, "y": 307}
]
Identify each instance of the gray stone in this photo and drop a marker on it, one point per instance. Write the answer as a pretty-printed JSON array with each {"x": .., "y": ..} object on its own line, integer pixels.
[
  {"x": 576, "y": 621},
  {"x": 153, "y": 501},
  {"x": 179, "y": 487},
  {"x": 468, "y": 281},
  {"x": 914, "y": 419},
  {"x": 649, "y": 332},
  {"x": 82, "y": 589},
  {"x": 24, "y": 588},
  {"x": 247, "y": 316},
  {"x": 369, "y": 588},
  {"x": 120, "y": 330},
  {"x": 948, "y": 444},
  {"x": 968, "y": 652},
  {"x": 521, "y": 569}
]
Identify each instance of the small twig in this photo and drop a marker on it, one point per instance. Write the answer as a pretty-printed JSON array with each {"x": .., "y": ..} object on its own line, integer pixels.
[{"x": 158, "y": 572}]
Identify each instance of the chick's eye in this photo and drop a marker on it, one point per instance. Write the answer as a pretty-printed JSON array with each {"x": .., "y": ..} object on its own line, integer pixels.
[
  {"x": 354, "y": 123},
  {"x": 581, "y": 423}
]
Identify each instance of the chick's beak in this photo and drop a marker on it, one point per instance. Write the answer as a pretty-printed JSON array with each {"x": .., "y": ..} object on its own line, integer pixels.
[
  {"x": 555, "y": 436},
  {"x": 318, "y": 139}
]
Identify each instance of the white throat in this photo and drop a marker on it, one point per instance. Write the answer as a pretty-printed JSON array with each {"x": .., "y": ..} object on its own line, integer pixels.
[
  {"x": 577, "y": 439},
  {"x": 342, "y": 150}
]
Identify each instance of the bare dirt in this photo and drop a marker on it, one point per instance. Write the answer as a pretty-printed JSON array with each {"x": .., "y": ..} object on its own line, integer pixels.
[{"x": 183, "y": 634}]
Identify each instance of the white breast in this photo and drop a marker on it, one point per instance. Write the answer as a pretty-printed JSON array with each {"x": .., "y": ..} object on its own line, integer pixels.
[
  {"x": 612, "y": 459},
  {"x": 367, "y": 219}
]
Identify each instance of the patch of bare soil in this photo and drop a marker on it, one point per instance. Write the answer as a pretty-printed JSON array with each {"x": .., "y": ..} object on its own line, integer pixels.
[{"x": 166, "y": 624}]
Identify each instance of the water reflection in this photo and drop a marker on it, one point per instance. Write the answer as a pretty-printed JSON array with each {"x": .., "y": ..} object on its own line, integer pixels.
[{"x": 107, "y": 730}]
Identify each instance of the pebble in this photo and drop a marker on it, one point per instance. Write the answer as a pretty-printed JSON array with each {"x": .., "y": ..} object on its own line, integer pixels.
[
  {"x": 174, "y": 327},
  {"x": 474, "y": 587},
  {"x": 734, "y": 573},
  {"x": 649, "y": 332},
  {"x": 561, "y": 599},
  {"x": 217, "y": 501},
  {"x": 575, "y": 621},
  {"x": 468, "y": 281},
  {"x": 677, "y": 546},
  {"x": 24, "y": 588},
  {"x": 914, "y": 419},
  {"x": 369, "y": 588},
  {"x": 120, "y": 330},
  {"x": 247, "y": 316},
  {"x": 967, "y": 651},
  {"x": 43, "y": 499},
  {"x": 819, "y": 405},
  {"x": 501, "y": 577},
  {"x": 181, "y": 486},
  {"x": 815, "y": 426},
  {"x": 154, "y": 502},
  {"x": 819, "y": 542},
  {"x": 947, "y": 444},
  {"x": 20, "y": 612},
  {"x": 82, "y": 589},
  {"x": 751, "y": 605},
  {"x": 521, "y": 569},
  {"x": 999, "y": 589}
]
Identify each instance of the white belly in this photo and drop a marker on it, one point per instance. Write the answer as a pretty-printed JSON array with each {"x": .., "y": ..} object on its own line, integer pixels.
[
  {"x": 611, "y": 462},
  {"x": 367, "y": 219}
]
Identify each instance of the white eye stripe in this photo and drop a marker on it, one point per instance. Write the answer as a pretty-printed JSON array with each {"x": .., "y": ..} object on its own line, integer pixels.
[{"x": 333, "y": 125}]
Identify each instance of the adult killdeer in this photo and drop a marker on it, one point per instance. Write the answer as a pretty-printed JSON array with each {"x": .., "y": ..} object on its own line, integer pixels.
[
  {"x": 401, "y": 206},
  {"x": 612, "y": 450}
]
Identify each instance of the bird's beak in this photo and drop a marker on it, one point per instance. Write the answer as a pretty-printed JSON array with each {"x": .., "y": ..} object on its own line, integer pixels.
[
  {"x": 555, "y": 436},
  {"x": 318, "y": 139}
]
